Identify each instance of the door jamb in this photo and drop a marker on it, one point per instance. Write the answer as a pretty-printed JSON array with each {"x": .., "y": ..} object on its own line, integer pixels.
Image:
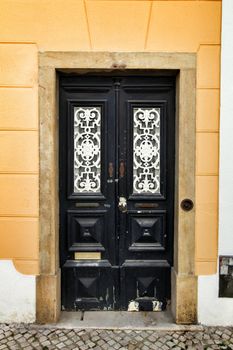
[{"x": 184, "y": 281}]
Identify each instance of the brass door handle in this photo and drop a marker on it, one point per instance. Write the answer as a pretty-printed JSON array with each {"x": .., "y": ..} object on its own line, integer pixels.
[
  {"x": 110, "y": 170},
  {"x": 122, "y": 205},
  {"x": 122, "y": 169}
]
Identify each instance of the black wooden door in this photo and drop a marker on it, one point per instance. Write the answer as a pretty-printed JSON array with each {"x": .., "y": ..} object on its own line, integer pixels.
[{"x": 116, "y": 157}]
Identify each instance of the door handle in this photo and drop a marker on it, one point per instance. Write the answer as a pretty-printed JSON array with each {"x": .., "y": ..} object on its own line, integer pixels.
[
  {"x": 122, "y": 205},
  {"x": 110, "y": 170},
  {"x": 122, "y": 169}
]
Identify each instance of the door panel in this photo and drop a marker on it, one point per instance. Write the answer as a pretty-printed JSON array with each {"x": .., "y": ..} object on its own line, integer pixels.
[
  {"x": 88, "y": 286},
  {"x": 86, "y": 231},
  {"x": 145, "y": 283},
  {"x": 116, "y": 189},
  {"x": 147, "y": 231}
]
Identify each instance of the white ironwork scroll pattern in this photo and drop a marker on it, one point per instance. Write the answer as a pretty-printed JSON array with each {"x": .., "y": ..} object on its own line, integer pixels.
[
  {"x": 87, "y": 149},
  {"x": 146, "y": 147}
]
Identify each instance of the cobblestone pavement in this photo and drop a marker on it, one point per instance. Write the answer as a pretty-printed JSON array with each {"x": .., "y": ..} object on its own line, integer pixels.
[{"x": 29, "y": 337}]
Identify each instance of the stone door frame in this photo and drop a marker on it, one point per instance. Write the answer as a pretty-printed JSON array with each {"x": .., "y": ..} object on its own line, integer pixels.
[{"x": 184, "y": 281}]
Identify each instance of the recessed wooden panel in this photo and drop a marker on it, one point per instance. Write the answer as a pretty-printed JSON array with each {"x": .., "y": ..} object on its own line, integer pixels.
[
  {"x": 147, "y": 232},
  {"x": 86, "y": 231},
  {"x": 145, "y": 281},
  {"x": 88, "y": 287}
]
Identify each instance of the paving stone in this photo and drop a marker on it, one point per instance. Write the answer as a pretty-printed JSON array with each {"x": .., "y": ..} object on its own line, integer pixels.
[
  {"x": 218, "y": 331},
  {"x": 189, "y": 342},
  {"x": 182, "y": 345},
  {"x": 153, "y": 346},
  {"x": 170, "y": 344},
  {"x": 46, "y": 343},
  {"x": 29, "y": 337},
  {"x": 95, "y": 338},
  {"x": 100, "y": 342},
  {"x": 165, "y": 347},
  {"x": 225, "y": 336},
  {"x": 227, "y": 331},
  {"x": 131, "y": 347},
  {"x": 11, "y": 343}
]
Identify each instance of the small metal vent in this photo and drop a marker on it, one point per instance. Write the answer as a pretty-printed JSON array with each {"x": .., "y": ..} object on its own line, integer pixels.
[{"x": 226, "y": 276}]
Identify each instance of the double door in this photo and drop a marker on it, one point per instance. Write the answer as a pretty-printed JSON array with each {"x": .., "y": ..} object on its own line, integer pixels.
[{"x": 116, "y": 182}]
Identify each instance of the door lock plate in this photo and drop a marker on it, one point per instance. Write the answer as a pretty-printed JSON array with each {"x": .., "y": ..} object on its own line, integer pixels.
[
  {"x": 87, "y": 256},
  {"x": 122, "y": 205}
]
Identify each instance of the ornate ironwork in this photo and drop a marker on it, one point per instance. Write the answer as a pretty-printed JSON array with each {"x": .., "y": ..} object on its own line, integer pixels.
[
  {"x": 87, "y": 149},
  {"x": 146, "y": 150}
]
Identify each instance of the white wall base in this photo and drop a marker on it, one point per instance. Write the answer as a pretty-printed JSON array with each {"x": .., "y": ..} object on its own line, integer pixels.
[
  {"x": 17, "y": 295},
  {"x": 212, "y": 310}
]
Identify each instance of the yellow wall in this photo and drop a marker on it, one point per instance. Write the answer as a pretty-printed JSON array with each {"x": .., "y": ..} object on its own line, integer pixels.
[{"x": 29, "y": 26}]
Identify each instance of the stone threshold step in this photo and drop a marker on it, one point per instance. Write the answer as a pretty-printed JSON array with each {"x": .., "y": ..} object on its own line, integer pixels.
[{"x": 114, "y": 320}]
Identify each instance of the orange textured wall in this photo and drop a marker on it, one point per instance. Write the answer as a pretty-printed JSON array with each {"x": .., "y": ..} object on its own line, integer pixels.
[
  {"x": 29, "y": 26},
  {"x": 19, "y": 161}
]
